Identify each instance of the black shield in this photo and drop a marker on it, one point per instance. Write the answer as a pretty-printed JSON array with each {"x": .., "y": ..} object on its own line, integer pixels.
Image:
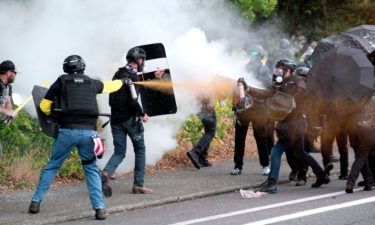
[
  {"x": 156, "y": 102},
  {"x": 47, "y": 124}
]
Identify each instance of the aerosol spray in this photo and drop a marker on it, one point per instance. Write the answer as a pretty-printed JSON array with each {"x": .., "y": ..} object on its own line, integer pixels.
[
  {"x": 132, "y": 91},
  {"x": 241, "y": 90}
]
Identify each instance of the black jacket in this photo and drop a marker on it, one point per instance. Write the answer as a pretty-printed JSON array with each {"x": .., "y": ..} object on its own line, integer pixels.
[{"x": 123, "y": 107}]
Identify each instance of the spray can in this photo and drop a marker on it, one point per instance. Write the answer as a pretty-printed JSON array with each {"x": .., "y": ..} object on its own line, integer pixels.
[
  {"x": 132, "y": 91},
  {"x": 241, "y": 90}
]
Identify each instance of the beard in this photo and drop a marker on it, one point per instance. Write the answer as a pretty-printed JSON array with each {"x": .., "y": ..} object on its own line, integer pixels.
[{"x": 11, "y": 80}]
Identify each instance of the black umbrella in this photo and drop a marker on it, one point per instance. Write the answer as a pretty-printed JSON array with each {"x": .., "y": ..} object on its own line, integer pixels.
[
  {"x": 361, "y": 37},
  {"x": 323, "y": 46},
  {"x": 343, "y": 75}
]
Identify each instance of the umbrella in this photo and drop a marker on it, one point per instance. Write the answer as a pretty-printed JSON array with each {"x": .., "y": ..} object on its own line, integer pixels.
[
  {"x": 362, "y": 37},
  {"x": 343, "y": 75},
  {"x": 323, "y": 46}
]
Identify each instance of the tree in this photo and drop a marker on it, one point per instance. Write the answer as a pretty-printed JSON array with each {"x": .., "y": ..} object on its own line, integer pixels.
[{"x": 252, "y": 9}]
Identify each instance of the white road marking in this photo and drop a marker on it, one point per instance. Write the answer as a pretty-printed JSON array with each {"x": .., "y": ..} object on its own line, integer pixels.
[
  {"x": 313, "y": 211},
  {"x": 235, "y": 213}
]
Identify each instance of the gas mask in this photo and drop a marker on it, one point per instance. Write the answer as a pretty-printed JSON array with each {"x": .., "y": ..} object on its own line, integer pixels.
[{"x": 278, "y": 76}]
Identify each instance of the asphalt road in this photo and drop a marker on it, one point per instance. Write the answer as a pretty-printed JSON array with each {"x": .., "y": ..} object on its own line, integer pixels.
[{"x": 292, "y": 205}]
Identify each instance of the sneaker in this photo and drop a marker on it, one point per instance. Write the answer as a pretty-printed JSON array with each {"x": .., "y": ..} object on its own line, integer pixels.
[
  {"x": 141, "y": 190},
  {"x": 269, "y": 187},
  {"x": 194, "y": 158},
  {"x": 235, "y": 171},
  {"x": 106, "y": 187},
  {"x": 34, "y": 207},
  {"x": 266, "y": 170},
  {"x": 100, "y": 214},
  {"x": 320, "y": 181},
  {"x": 328, "y": 168},
  {"x": 293, "y": 175},
  {"x": 300, "y": 182}
]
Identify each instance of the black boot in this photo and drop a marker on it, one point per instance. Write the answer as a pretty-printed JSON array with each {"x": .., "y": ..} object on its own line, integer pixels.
[
  {"x": 349, "y": 188},
  {"x": 194, "y": 158},
  {"x": 269, "y": 187},
  {"x": 100, "y": 214},
  {"x": 203, "y": 161},
  {"x": 328, "y": 168},
  {"x": 322, "y": 179},
  {"x": 34, "y": 207},
  {"x": 293, "y": 175},
  {"x": 106, "y": 187}
]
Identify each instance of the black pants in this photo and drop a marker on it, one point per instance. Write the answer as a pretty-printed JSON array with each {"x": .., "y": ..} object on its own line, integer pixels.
[
  {"x": 263, "y": 130},
  {"x": 208, "y": 118},
  {"x": 335, "y": 129},
  {"x": 363, "y": 143}
]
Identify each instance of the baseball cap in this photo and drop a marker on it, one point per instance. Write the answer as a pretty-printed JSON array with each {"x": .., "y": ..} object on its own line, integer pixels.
[{"x": 6, "y": 66}]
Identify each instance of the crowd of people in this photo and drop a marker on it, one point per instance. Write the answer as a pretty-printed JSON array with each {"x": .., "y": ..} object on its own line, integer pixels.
[{"x": 282, "y": 107}]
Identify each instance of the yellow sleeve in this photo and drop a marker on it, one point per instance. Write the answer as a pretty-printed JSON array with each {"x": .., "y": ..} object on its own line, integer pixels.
[
  {"x": 45, "y": 106},
  {"x": 112, "y": 86}
]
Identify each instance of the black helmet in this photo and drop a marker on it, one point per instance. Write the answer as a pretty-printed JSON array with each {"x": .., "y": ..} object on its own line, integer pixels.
[
  {"x": 256, "y": 50},
  {"x": 283, "y": 45},
  {"x": 74, "y": 64},
  {"x": 286, "y": 63},
  {"x": 302, "y": 70},
  {"x": 134, "y": 54}
]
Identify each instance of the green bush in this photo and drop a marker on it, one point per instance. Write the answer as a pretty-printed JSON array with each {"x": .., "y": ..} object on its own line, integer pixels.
[{"x": 23, "y": 138}]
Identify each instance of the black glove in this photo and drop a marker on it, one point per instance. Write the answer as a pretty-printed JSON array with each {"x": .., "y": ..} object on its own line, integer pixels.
[
  {"x": 242, "y": 80},
  {"x": 127, "y": 81}
]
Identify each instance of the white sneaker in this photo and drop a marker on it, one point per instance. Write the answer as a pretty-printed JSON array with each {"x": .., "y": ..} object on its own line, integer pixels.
[{"x": 266, "y": 170}]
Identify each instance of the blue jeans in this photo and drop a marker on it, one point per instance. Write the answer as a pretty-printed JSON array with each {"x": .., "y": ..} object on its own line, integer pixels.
[
  {"x": 293, "y": 141},
  {"x": 120, "y": 132},
  {"x": 62, "y": 146}
]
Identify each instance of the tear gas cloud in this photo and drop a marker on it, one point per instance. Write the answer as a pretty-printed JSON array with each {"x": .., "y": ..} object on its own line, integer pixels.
[{"x": 201, "y": 38}]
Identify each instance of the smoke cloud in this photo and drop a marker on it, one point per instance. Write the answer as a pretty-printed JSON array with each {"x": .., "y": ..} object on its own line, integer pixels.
[{"x": 201, "y": 38}]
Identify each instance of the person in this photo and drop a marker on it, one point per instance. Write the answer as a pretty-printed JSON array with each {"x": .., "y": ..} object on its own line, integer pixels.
[
  {"x": 334, "y": 127},
  {"x": 75, "y": 93},
  {"x": 292, "y": 122},
  {"x": 8, "y": 74},
  {"x": 283, "y": 50},
  {"x": 263, "y": 127},
  {"x": 361, "y": 127},
  {"x": 126, "y": 120},
  {"x": 198, "y": 155}
]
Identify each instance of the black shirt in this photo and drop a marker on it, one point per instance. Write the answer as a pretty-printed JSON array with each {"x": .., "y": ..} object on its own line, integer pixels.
[
  {"x": 123, "y": 106},
  {"x": 54, "y": 93}
]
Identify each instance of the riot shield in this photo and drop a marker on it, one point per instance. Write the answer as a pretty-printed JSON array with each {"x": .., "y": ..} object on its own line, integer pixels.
[
  {"x": 157, "y": 102},
  {"x": 47, "y": 124}
]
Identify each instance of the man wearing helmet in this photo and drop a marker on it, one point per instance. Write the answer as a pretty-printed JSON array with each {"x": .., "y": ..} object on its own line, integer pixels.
[
  {"x": 291, "y": 127},
  {"x": 126, "y": 120},
  {"x": 7, "y": 76},
  {"x": 283, "y": 50},
  {"x": 258, "y": 116},
  {"x": 75, "y": 93}
]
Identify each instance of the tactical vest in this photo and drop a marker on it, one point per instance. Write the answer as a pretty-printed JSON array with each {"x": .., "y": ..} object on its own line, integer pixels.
[{"x": 78, "y": 95}]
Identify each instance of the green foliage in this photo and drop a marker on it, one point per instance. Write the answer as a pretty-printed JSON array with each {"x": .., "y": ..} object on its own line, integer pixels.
[
  {"x": 193, "y": 130},
  {"x": 24, "y": 139},
  {"x": 251, "y": 9}
]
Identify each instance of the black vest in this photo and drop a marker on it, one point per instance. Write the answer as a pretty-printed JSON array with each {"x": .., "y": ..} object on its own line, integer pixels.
[{"x": 78, "y": 95}]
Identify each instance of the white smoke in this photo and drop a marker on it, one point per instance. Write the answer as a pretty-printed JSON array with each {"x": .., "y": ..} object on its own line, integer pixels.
[{"x": 201, "y": 37}]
